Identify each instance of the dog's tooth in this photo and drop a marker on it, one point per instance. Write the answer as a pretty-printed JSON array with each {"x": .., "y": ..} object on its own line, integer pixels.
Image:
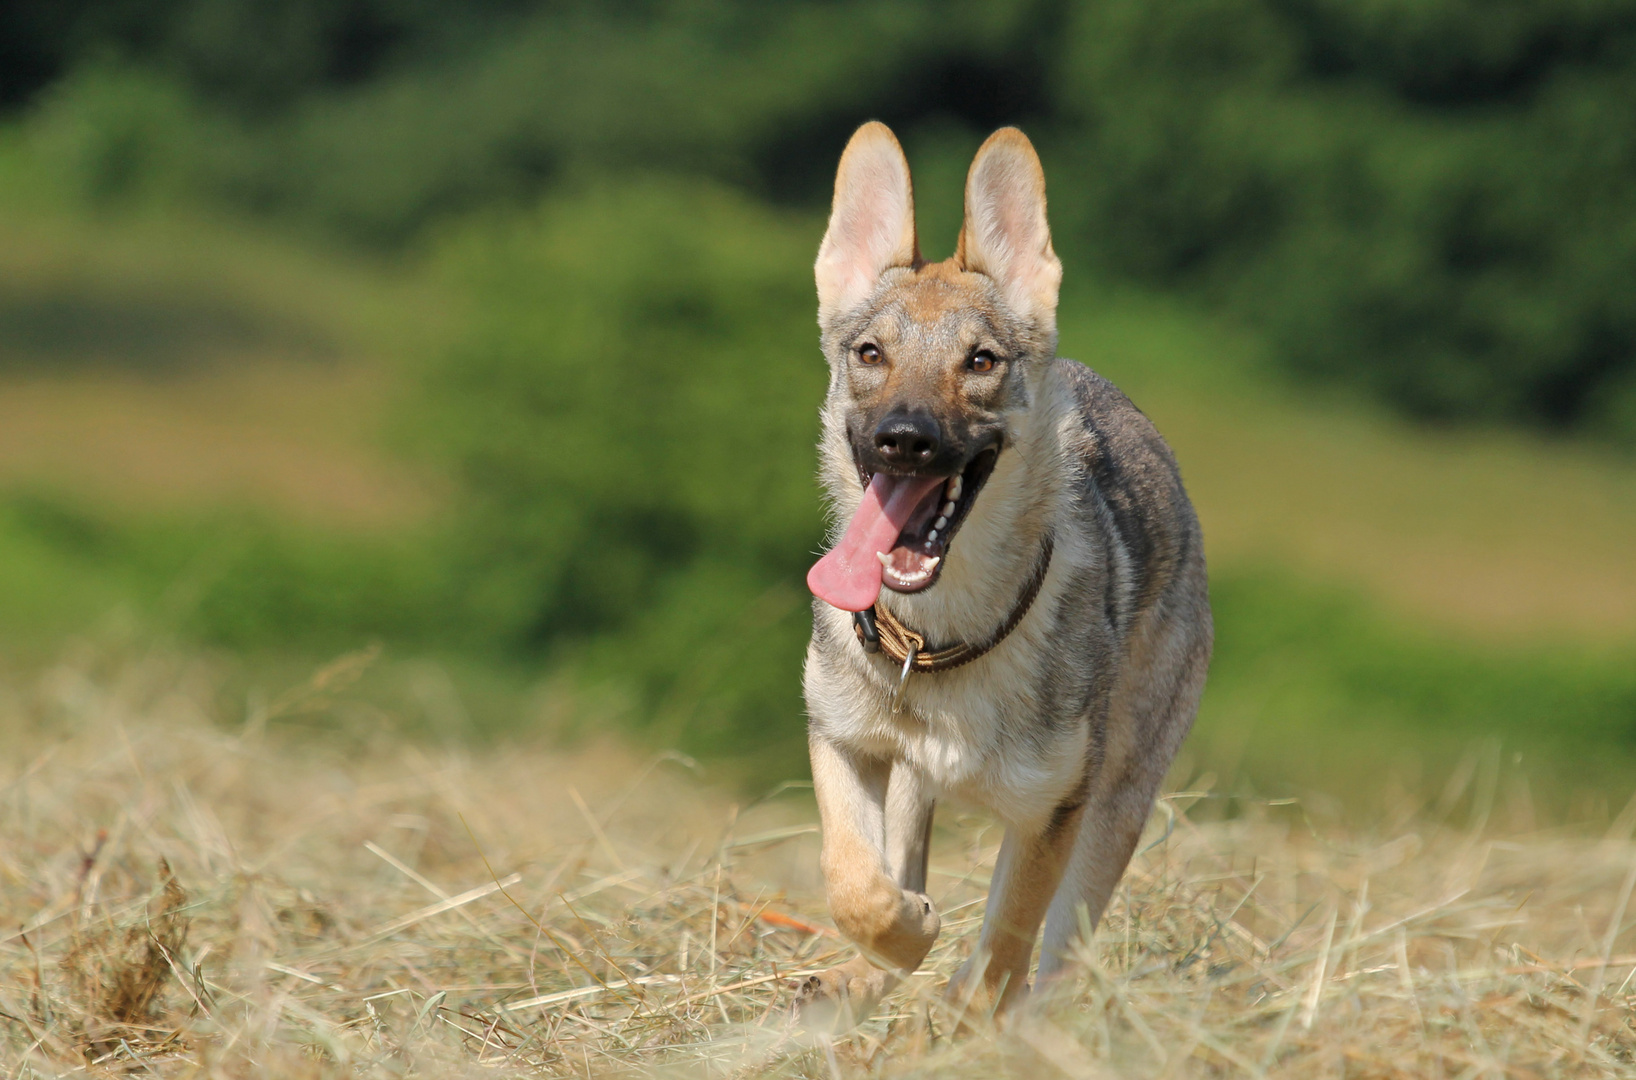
[
  {"x": 931, "y": 564},
  {"x": 885, "y": 559},
  {"x": 931, "y": 535},
  {"x": 942, "y": 521},
  {"x": 948, "y": 509},
  {"x": 954, "y": 489}
]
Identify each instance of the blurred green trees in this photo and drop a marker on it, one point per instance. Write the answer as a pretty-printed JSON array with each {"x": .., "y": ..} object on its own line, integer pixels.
[
  {"x": 632, "y": 416},
  {"x": 1431, "y": 199}
]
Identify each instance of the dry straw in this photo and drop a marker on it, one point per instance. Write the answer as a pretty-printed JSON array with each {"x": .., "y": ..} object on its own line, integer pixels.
[{"x": 182, "y": 899}]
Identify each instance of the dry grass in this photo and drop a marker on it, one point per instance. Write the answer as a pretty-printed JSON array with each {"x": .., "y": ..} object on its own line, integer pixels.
[{"x": 181, "y": 899}]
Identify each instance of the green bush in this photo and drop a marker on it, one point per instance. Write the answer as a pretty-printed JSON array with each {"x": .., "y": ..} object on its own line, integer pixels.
[
  {"x": 112, "y": 134},
  {"x": 1431, "y": 199},
  {"x": 632, "y": 419}
]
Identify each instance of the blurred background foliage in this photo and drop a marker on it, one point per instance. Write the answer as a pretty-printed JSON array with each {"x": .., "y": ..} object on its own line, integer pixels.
[
  {"x": 493, "y": 326},
  {"x": 1431, "y": 199}
]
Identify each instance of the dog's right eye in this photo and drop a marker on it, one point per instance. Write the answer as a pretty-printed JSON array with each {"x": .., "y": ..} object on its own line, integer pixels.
[{"x": 869, "y": 354}]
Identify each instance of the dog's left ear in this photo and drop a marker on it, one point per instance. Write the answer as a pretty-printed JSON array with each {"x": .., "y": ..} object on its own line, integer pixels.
[
  {"x": 1005, "y": 235},
  {"x": 872, "y": 224}
]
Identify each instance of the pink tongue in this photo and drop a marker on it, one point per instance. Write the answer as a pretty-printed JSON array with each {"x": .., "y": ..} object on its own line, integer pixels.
[{"x": 849, "y": 576}]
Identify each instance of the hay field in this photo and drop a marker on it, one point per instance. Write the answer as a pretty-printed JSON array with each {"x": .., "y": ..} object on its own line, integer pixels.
[{"x": 194, "y": 886}]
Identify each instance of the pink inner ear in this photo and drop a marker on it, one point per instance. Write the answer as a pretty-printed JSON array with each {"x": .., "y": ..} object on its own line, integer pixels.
[
  {"x": 1006, "y": 235},
  {"x": 871, "y": 227},
  {"x": 1009, "y": 239}
]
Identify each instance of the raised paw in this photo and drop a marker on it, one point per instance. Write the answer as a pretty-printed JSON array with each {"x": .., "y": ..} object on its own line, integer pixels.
[
  {"x": 893, "y": 926},
  {"x": 930, "y": 921}
]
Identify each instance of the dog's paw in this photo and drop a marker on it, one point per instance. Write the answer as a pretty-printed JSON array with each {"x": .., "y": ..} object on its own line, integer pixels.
[
  {"x": 839, "y": 998},
  {"x": 931, "y": 923},
  {"x": 980, "y": 996}
]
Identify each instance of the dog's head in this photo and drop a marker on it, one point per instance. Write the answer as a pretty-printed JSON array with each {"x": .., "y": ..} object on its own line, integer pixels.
[{"x": 934, "y": 364}]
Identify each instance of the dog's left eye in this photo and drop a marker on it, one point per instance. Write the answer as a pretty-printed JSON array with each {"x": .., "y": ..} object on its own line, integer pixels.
[
  {"x": 869, "y": 354},
  {"x": 982, "y": 362}
]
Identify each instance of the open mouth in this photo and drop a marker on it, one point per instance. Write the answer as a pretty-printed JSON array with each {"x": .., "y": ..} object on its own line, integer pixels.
[
  {"x": 916, "y": 557},
  {"x": 899, "y": 535}
]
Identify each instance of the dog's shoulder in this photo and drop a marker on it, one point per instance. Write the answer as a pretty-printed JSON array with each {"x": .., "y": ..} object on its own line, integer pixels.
[
  {"x": 1122, "y": 450},
  {"x": 1130, "y": 468}
]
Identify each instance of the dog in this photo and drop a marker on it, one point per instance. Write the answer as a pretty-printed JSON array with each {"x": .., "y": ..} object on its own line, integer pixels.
[{"x": 1013, "y": 611}]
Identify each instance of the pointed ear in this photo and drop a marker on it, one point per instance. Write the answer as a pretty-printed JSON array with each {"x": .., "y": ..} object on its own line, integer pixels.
[
  {"x": 872, "y": 224},
  {"x": 1006, "y": 235}
]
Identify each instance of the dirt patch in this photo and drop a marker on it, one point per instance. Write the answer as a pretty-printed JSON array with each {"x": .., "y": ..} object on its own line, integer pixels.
[{"x": 301, "y": 438}]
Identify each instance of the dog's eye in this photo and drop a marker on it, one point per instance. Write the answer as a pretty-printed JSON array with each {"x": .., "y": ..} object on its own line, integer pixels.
[
  {"x": 869, "y": 354},
  {"x": 982, "y": 362}
]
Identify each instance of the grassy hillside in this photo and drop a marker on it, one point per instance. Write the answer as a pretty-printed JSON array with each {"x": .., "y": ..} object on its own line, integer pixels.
[
  {"x": 151, "y": 361},
  {"x": 1390, "y": 599},
  {"x": 1482, "y": 532}
]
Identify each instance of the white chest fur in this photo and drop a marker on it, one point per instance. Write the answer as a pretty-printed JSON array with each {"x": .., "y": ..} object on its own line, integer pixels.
[{"x": 973, "y": 733}]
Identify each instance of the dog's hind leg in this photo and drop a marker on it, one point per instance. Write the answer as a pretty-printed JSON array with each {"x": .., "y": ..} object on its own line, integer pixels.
[{"x": 894, "y": 926}]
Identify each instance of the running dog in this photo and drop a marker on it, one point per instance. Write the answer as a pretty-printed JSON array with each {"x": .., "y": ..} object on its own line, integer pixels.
[{"x": 1014, "y": 609}]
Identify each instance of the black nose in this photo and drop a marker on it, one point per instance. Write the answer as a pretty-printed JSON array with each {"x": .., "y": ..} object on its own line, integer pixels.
[{"x": 908, "y": 440}]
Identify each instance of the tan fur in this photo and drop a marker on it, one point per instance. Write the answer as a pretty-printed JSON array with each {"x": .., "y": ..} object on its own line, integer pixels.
[
  {"x": 1026, "y": 876},
  {"x": 889, "y": 922},
  {"x": 1063, "y": 730}
]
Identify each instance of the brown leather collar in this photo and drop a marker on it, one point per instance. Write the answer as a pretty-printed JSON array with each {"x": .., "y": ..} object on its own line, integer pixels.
[{"x": 878, "y": 630}]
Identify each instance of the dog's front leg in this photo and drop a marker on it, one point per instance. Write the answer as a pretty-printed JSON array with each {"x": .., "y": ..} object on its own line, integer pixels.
[
  {"x": 908, "y": 827},
  {"x": 893, "y": 926},
  {"x": 1026, "y": 876}
]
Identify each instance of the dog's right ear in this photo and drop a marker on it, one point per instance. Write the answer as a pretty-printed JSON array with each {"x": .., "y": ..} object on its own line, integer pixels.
[
  {"x": 1005, "y": 235},
  {"x": 872, "y": 224}
]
